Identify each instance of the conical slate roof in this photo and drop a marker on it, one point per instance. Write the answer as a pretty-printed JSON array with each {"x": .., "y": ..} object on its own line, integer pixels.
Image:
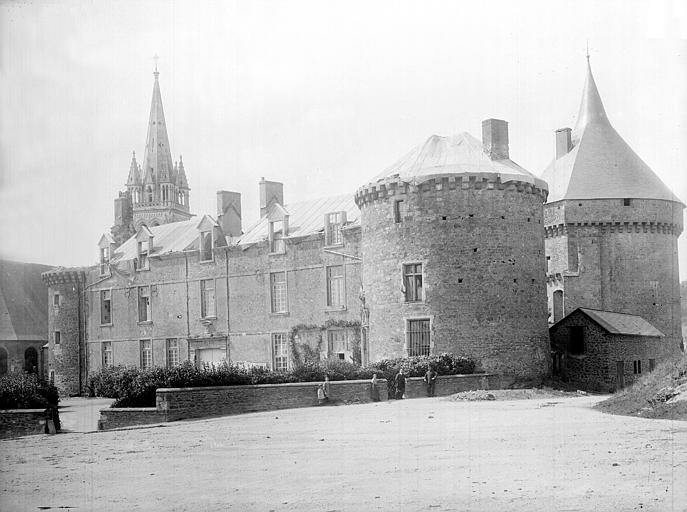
[
  {"x": 455, "y": 155},
  {"x": 134, "y": 172},
  {"x": 157, "y": 161},
  {"x": 601, "y": 165}
]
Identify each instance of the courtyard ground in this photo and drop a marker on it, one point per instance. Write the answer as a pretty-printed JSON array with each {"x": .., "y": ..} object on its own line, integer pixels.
[{"x": 435, "y": 454}]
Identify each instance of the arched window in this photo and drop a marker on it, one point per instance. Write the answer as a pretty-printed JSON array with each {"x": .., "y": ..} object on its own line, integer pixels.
[
  {"x": 3, "y": 361},
  {"x": 149, "y": 192},
  {"x": 31, "y": 360}
]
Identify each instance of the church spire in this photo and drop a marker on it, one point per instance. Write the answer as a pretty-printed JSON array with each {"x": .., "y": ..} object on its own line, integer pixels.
[
  {"x": 591, "y": 108},
  {"x": 157, "y": 161},
  {"x": 134, "y": 172}
]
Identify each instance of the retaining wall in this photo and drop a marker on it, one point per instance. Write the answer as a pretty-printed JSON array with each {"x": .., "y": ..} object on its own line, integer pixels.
[
  {"x": 450, "y": 384},
  {"x": 21, "y": 422}
]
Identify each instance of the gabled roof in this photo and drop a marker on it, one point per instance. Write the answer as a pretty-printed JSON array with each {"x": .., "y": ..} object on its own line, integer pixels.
[
  {"x": 455, "y": 154},
  {"x": 106, "y": 240},
  {"x": 621, "y": 323},
  {"x": 306, "y": 218},
  {"x": 601, "y": 165},
  {"x": 23, "y": 302}
]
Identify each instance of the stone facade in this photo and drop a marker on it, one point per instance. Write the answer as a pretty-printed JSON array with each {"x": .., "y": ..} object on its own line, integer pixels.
[
  {"x": 608, "y": 361},
  {"x": 480, "y": 246},
  {"x": 22, "y": 422}
]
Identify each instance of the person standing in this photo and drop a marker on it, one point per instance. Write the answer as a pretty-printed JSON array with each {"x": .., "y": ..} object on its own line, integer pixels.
[
  {"x": 325, "y": 388},
  {"x": 431, "y": 380},
  {"x": 400, "y": 382},
  {"x": 374, "y": 390}
]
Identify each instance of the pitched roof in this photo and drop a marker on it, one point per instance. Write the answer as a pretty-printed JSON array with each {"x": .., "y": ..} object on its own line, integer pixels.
[
  {"x": 171, "y": 237},
  {"x": 23, "y": 301},
  {"x": 455, "y": 154},
  {"x": 620, "y": 323},
  {"x": 601, "y": 165},
  {"x": 306, "y": 218}
]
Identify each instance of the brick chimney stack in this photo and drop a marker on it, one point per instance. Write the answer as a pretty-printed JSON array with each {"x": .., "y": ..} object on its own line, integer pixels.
[
  {"x": 563, "y": 142},
  {"x": 270, "y": 192},
  {"x": 495, "y": 138}
]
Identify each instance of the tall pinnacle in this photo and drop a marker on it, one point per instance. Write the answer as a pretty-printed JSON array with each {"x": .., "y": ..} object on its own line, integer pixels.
[
  {"x": 157, "y": 160},
  {"x": 591, "y": 108}
]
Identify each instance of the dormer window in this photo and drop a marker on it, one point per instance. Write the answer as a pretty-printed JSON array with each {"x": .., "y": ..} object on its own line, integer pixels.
[
  {"x": 333, "y": 222},
  {"x": 276, "y": 236},
  {"x": 206, "y": 246},
  {"x": 142, "y": 252},
  {"x": 104, "y": 260}
]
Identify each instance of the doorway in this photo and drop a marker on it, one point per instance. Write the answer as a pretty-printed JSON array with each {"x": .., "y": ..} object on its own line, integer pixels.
[{"x": 620, "y": 374}]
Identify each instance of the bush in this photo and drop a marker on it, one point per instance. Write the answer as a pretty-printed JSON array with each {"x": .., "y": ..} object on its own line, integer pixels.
[
  {"x": 133, "y": 387},
  {"x": 26, "y": 391}
]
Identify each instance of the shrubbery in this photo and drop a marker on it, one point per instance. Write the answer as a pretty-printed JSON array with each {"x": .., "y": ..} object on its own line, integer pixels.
[
  {"x": 133, "y": 387},
  {"x": 26, "y": 391}
]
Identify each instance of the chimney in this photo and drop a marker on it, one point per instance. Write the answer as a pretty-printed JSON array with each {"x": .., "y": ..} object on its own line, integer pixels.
[
  {"x": 229, "y": 212},
  {"x": 495, "y": 138},
  {"x": 122, "y": 209},
  {"x": 563, "y": 142},
  {"x": 270, "y": 192}
]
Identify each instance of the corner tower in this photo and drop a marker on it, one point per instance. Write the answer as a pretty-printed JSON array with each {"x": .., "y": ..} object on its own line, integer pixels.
[
  {"x": 157, "y": 192},
  {"x": 453, "y": 256},
  {"x": 611, "y": 226}
]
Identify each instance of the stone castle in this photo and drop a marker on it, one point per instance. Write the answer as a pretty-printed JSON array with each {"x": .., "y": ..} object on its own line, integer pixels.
[{"x": 454, "y": 248}]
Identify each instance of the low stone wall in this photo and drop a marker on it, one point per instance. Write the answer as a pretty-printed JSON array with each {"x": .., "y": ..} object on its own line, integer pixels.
[
  {"x": 182, "y": 403},
  {"x": 128, "y": 416},
  {"x": 450, "y": 384},
  {"x": 21, "y": 422}
]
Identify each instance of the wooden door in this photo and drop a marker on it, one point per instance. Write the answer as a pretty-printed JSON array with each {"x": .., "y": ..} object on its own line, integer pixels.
[{"x": 620, "y": 374}]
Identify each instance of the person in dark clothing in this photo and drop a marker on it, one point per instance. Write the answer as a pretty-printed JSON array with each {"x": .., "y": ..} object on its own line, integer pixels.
[
  {"x": 400, "y": 384},
  {"x": 431, "y": 380}
]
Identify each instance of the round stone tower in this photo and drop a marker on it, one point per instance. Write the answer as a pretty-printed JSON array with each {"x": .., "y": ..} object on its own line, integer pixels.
[
  {"x": 453, "y": 256},
  {"x": 611, "y": 227},
  {"x": 66, "y": 329}
]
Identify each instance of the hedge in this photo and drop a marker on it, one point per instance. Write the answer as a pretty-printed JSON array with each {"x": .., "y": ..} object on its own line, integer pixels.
[
  {"x": 133, "y": 387},
  {"x": 23, "y": 390}
]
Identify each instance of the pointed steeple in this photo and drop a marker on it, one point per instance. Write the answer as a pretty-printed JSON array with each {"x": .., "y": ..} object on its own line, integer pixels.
[
  {"x": 181, "y": 181},
  {"x": 134, "y": 174},
  {"x": 591, "y": 107},
  {"x": 157, "y": 161}
]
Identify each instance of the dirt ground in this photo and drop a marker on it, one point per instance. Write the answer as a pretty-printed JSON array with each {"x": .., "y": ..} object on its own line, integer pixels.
[{"x": 544, "y": 454}]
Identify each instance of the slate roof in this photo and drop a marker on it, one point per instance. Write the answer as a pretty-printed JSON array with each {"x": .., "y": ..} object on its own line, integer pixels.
[
  {"x": 601, "y": 165},
  {"x": 451, "y": 155},
  {"x": 167, "y": 238},
  {"x": 306, "y": 218},
  {"x": 620, "y": 323},
  {"x": 23, "y": 302}
]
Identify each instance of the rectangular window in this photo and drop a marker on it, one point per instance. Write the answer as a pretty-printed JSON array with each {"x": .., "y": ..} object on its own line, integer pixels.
[
  {"x": 278, "y": 292},
  {"x": 206, "y": 246},
  {"x": 56, "y": 300},
  {"x": 652, "y": 364},
  {"x": 57, "y": 337},
  {"x": 277, "y": 237},
  {"x": 106, "y": 307},
  {"x": 576, "y": 345},
  {"x": 104, "y": 259},
  {"x": 144, "y": 304},
  {"x": 335, "y": 287},
  {"x": 627, "y": 202},
  {"x": 172, "y": 352},
  {"x": 637, "y": 367},
  {"x": 146, "y": 354},
  {"x": 332, "y": 228},
  {"x": 281, "y": 352},
  {"x": 412, "y": 282},
  {"x": 142, "y": 256},
  {"x": 418, "y": 337},
  {"x": 338, "y": 344},
  {"x": 207, "y": 298},
  {"x": 399, "y": 211},
  {"x": 107, "y": 353}
]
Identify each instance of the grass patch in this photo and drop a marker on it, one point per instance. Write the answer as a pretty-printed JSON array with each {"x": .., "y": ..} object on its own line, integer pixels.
[{"x": 648, "y": 396}]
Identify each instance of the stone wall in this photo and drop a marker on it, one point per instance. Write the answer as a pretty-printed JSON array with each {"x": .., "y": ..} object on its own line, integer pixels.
[
  {"x": 21, "y": 422},
  {"x": 182, "y": 403},
  {"x": 449, "y": 384},
  {"x": 481, "y": 246}
]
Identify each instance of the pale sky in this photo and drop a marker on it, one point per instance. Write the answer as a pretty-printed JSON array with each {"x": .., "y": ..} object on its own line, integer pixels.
[{"x": 319, "y": 95}]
